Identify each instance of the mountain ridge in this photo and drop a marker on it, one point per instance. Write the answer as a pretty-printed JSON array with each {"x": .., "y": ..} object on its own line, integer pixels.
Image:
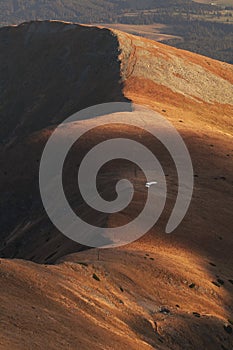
[{"x": 161, "y": 291}]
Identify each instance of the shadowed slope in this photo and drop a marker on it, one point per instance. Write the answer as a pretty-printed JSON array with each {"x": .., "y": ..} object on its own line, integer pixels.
[{"x": 50, "y": 70}]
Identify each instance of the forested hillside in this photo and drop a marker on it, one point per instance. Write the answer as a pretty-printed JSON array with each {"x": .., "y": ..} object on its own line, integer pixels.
[
  {"x": 16, "y": 11},
  {"x": 206, "y": 38},
  {"x": 87, "y": 11}
]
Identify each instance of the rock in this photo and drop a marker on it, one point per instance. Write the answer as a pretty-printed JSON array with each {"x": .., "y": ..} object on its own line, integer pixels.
[
  {"x": 220, "y": 281},
  {"x": 228, "y": 329},
  {"x": 196, "y": 314},
  {"x": 165, "y": 311},
  {"x": 216, "y": 284},
  {"x": 82, "y": 263},
  {"x": 192, "y": 285},
  {"x": 96, "y": 277}
]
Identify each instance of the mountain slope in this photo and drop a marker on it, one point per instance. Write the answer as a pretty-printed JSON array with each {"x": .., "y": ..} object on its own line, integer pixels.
[{"x": 157, "y": 292}]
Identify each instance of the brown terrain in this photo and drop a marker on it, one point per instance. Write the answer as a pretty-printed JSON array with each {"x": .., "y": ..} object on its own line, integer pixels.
[{"x": 164, "y": 291}]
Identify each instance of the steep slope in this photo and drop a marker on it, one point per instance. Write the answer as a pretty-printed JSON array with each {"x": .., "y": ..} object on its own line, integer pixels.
[
  {"x": 156, "y": 293},
  {"x": 60, "y": 70}
]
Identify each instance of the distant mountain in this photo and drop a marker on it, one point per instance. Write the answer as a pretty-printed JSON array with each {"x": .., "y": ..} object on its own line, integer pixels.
[
  {"x": 86, "y": 11},
  {"x": 16, "y": 11}
]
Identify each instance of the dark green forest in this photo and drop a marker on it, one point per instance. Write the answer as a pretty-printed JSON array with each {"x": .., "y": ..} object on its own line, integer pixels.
[{"x": 209, "y": 39}]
